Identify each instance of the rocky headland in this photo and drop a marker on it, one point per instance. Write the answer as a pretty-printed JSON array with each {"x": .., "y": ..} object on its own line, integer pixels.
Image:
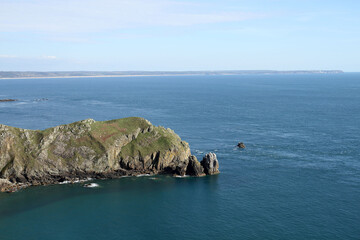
[{"x": 94, "y": 149}]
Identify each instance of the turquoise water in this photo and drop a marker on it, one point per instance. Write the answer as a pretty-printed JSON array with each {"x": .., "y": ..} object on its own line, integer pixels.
[{"x": 298, "y": 178}]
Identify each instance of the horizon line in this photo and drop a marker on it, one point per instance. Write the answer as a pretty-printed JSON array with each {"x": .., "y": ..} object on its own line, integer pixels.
[{"x": 98, "y": 74}]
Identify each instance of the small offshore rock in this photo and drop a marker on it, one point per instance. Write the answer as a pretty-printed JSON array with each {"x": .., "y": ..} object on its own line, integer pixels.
[
  {"x": 241, "y": 145},
  {"x": 210, "y": 164}
]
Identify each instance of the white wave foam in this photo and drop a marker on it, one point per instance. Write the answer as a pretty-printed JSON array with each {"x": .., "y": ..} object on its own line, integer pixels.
[
  {"x": 76, "y": 181},
  {"x": 65, "y": 182},
  {"x": 184, "y": 176},
  {"x": 91, "y": 185},
  {"x": 143, "y": 175},
  {"x": 21, "y": 103}
]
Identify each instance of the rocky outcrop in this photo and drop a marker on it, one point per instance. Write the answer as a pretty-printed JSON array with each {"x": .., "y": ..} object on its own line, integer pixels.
[
  {"x": 241, "y": 145},
  {"x": 88, "y": 148},
  {"x": 5, "y": 185},
  {"x": 210, "y": 164},
  {"x": 194, "y": 167}
]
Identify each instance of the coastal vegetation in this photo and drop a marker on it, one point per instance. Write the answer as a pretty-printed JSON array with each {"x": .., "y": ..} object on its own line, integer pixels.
[{"x": 94, "y": 149}]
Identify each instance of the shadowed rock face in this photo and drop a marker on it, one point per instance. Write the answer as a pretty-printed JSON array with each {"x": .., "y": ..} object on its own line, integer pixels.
[
  {"x": 109, "y": 149},
  {"x": 194, "y": 167}
]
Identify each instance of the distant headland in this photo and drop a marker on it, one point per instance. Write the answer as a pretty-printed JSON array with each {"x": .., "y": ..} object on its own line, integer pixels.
[
  {"x": 79, "y": 74},
  {"x": 8, "y": 100}
]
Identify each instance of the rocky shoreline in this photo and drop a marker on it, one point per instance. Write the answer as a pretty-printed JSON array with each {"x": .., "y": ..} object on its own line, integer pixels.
[
  {"x": 208, "y": 166},
  {"x": 95, "y": 150}
]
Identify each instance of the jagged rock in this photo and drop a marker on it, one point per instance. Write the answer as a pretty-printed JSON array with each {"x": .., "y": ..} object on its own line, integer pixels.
[
  {"x": 194, "y": 167},
  {"x": 88, "y": 148},
  {"x": 241, "y": 145},
  {"x": 210, "y": 164}
]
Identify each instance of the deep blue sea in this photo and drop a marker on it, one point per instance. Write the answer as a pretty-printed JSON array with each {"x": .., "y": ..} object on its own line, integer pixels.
[{"x": 298, "y": 178}]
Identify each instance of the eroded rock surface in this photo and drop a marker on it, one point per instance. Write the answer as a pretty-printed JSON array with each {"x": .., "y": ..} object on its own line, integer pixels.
[{"x": 210, "y": 164}]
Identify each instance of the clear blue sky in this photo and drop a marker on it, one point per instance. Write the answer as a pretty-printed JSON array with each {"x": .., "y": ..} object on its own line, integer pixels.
[{"x": 49, "y": 35}]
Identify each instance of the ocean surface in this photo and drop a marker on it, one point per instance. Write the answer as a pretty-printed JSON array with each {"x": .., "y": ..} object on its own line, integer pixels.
[{"x": 298, "y": 178}]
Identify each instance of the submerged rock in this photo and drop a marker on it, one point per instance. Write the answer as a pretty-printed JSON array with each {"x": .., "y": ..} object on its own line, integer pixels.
[
  {"x": 91, "y": 149},
  {"x": 40, "y": 99},
  {"x": 210, "y": 164}
]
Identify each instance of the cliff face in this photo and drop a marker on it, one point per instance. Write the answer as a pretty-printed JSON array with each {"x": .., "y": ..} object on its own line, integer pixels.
[{"x": 88, "y": 148}]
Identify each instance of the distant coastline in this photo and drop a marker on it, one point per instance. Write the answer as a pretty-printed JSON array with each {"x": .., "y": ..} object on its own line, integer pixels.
[{"x": 82, "y": 74}]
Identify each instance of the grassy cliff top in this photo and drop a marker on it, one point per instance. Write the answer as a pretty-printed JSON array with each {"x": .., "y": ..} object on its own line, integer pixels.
[
  {"x": 134, "y": 136},
  {"x": 120, "y": 126}
]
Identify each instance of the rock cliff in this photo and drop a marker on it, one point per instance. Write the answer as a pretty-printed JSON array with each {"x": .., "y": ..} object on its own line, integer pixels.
[{"x": 88, "y": 148}]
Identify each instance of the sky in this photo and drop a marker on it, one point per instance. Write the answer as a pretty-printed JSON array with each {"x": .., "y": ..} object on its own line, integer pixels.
[{"x": 179, "y": 35}]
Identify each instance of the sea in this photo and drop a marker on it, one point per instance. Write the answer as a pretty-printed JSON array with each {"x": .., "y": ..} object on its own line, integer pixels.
[{"x": 297, "y": 178}]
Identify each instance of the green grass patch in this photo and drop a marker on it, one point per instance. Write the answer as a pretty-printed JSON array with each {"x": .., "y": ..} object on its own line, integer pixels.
[{"x": 159, "y": 140}]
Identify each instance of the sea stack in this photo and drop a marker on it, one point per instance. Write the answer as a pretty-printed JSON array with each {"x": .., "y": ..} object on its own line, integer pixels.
[
  {"x": 210, "y": 164},
  {"x": 93, "y": 149}
]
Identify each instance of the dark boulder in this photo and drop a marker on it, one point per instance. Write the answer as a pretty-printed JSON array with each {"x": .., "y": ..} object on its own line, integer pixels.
[{"x": 241, "y": 145}]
